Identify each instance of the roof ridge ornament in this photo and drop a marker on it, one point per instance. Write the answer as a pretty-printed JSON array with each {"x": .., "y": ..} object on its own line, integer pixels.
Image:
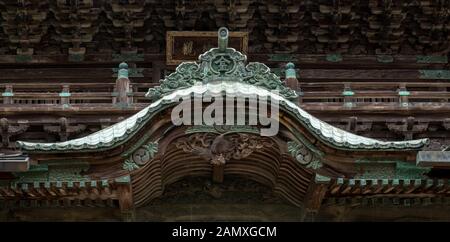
[
  {"x": 222, "y": 64},
  {"x": 222, "y": 39}
]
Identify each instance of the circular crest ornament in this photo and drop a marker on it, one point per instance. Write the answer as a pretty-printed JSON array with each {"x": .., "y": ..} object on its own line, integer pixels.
[
  {"x": 303, "y": 155},
  {"x": 141, "y": 156},
  {"x": 222, "y": 64}
]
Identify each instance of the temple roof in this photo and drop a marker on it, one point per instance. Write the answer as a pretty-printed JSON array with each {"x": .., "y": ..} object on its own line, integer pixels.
[
  {"x": 223, "y": 71},
  {"x": 122, "y": 131}
]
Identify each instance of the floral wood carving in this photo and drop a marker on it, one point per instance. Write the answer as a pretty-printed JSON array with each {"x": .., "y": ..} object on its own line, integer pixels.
[{"x": 220, "y": 148}]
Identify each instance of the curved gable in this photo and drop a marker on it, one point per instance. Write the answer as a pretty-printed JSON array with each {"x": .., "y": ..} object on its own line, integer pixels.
[
  {"x": 220, "y": 70},
  {"x": 118, "y": 133}
]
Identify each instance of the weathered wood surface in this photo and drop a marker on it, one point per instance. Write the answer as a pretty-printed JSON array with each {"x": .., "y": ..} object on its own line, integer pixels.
[{"x": 306, "y": 27}]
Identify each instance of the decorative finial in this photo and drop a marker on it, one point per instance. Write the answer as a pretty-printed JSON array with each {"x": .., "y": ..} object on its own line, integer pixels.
[
  {"x": 123, "y": 70},
  {"x": 290, "y": 70},
  {"x": 223, "y": 39}
]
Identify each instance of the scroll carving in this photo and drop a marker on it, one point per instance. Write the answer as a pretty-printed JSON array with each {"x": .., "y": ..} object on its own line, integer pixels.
[{"x": 303, "y": 155}]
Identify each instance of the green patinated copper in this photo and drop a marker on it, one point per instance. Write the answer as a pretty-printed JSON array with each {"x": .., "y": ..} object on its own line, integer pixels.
[
  {"x": 387, "y": 201},
  {"x": 376, "y": 171},
  {"x": 7, "y": 94},
  {"x": 221, "y": 64},
  {"x": 65, "y": 94},
  {"x": 432, "y": 59},
  {"x": 124, "y": 72},
  {"x": 25, "y": 185},
  {"x": 406, "y": 170},
  {"x": 150, "y": 149},
  {"x": 320, "y": 179},
  {"x": 129, "y": 165},
  {"x": 222, "y": 39},
  {"x": 38, "y": 168},
  {"x": 290, "y": 70},
  {"x": 390, "y": 169},
  {"x": 434, "y": 74},
  {"x": 283, "y": 57},
  {"x": 53, "y": 173},
  {"x": 404, "y": 93},
  {"x": 334, "y": 57},
  {"x": 348, "y": 93},
  {"x": 132, "y": 72},
  {"x": 303, "y": 155},
  {"x": 123, "y": 180}
]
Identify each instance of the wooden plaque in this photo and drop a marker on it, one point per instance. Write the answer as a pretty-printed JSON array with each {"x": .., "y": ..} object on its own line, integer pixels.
[{"x": 184, "y": 46}]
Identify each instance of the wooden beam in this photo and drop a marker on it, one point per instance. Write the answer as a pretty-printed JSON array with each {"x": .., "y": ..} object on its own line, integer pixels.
[
  {"x": 218, "y": 173},
  {"x": 125, "y": 197},
  {"x": 315, "y": 195}
]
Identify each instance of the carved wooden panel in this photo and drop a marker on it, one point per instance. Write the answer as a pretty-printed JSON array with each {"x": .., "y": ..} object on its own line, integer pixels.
[{"x": 188, "y": 45}]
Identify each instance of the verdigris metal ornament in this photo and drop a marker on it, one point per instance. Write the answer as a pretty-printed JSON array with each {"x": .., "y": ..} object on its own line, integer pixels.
[{"x": 221, "y": 64}]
